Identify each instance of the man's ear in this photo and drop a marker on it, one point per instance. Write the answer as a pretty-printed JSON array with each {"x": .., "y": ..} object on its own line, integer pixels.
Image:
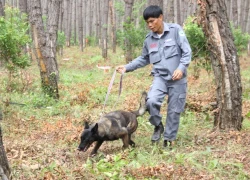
[
  {"x": 95, "y": 128},
  {"x": 86, "y": 125},
  {"x": 161, "y": 17}
]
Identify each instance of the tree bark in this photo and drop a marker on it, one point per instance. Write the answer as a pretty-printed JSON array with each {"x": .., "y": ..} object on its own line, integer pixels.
[
  {"x": 45, "y": 44},
  {"x": 156, "y": 2},
  {"x": 170, "y": 11},
  {"x": 127, "y": 20},
  {"x": 2, "y": 8},
  {"x": 113, "y": 32},
  {"x": 247, "y": 16},
  {"x": 105, "y": 29},
  {"x": 23, "y": 6},
  {"x": 69, "y": 23},
  {"x": 80, "y": 25},
  {"x": 44, "y": 5},
  {"x": 235, "y": 13},
  {"x": 84, "y": 23},
  {"x": 225, "y": 63},
  {"x": 4, "y": 165},
  {"x": 75, "y": 21},
  {"x": 98, "y": 21}
]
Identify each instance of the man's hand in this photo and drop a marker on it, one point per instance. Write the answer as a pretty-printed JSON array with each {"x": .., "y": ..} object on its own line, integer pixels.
[
  {"x": 177, "y": 74},
  {"x": 121, "y": 69}
]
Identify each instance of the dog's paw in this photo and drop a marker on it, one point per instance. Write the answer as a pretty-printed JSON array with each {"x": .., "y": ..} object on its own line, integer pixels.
[{"x": 93, "y": 154}]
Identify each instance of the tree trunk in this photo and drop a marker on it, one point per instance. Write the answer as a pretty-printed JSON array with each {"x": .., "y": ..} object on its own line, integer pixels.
[
  {"x": 74, "y": 20},
  {"x": 225, "y": 63},
  {"x": 2, "y": 8},
  {"x": 247, "y": 16},
  {"x": 127, "y": 20},
  {"x": 69, "y": 23},
  {"x": 44, "y": 5},
  {"x": 45, "y": 44},
  {"x": 23, "y": 6},
  {"x": 170, "y": 11},
  {"x": 98, "y": 21},
  {"x": 88, "y": 15},
  {"x": 113, "y": 32},
  {"x": 156, "y": 2},
  {"x": 60, "y": 23},
  {"x": 80, "y": 25},
  {"x": 235, "y": 13},
  {"x": 4, "y": 165},
  {"x": 178, "y": 12},
  {"x": 105, "y": 29},
  {"x": 84, "y": 23}
]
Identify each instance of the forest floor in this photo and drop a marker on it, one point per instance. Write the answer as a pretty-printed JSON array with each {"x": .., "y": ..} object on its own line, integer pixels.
[{"x": 41, "y": 137}]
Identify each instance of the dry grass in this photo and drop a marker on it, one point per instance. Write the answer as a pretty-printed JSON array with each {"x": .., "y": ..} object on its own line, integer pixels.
[{"x": 41, "y": 138}]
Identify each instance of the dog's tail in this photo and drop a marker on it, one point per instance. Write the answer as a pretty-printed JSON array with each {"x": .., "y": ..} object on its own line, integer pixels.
[{"x": 142, "y": 109}]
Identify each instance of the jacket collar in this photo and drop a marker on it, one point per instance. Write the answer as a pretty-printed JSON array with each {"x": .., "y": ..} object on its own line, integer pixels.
[{"x": 165, "y": 29}]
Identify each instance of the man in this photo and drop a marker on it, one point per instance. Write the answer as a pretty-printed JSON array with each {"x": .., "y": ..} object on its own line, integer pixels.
[{"x": 167, "y": 49}]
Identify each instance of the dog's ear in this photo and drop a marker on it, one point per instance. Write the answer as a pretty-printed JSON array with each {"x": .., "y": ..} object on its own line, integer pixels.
[
  {"x": 95, "y": 128},
  {"x": 86, "y": 125}
]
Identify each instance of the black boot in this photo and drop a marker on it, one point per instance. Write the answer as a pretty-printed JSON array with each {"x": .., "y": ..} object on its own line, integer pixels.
[{"x": 157, "y": 132}]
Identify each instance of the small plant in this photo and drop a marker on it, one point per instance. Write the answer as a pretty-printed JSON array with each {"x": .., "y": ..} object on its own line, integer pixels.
[
  {"x": 13, "y": 39},
  {"x": 61, "y": 39},
  {"x": 240, "y": 39},
  {"x": 197, "y": 41},
  {"x": 196, "y": 38},
  {"x": 111, "y": 168},
  {"x": 91, "y": 41}
]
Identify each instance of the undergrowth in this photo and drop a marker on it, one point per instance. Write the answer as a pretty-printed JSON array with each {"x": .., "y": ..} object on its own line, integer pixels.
[{"x": 41, "y": 135}]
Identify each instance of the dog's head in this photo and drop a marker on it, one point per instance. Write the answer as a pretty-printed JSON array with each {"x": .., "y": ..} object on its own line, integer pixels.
[{"x": 88, "y": 136}]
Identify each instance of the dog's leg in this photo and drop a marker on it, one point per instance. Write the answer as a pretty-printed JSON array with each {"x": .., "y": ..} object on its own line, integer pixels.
[
  {"x": 97, "y": 146},
  {"x": 125, "y": 137},
  {"x": 131, "y": 143}
]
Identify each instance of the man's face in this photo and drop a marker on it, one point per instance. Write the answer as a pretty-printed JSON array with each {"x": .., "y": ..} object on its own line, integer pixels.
[{"x": 155, "y": 24}]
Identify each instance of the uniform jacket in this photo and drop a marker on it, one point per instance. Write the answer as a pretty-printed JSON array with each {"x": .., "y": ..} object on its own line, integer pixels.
[{"x": 169, "y": 52}]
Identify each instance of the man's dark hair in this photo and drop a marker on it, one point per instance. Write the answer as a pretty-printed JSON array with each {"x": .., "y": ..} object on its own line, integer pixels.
[{"x": 152, "y": 12}]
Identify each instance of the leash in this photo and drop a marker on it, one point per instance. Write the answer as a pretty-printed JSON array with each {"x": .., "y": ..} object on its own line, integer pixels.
[{"x": 110, "y": 87}]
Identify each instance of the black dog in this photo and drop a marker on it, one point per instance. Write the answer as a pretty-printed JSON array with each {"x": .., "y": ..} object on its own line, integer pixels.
[{"x": 112, "y": 126}]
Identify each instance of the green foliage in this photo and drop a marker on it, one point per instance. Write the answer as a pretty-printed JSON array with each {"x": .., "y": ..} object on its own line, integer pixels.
[
  {"x": 91, "y": 41},
  {"x": 197, "y": 42},
  {"x": 240, "y": 39},
  {"x": 196, "y": 38},
  {"x": 95, "y": 59},
  {"x": 13, "y": 37},
  {"x": 111, "y": 169},
  {"x": 135, "y": 36},
  {"x": 41, "y": 101},
  {"x": 119, "y": 7},
  {"x": 61, "y": 39}
]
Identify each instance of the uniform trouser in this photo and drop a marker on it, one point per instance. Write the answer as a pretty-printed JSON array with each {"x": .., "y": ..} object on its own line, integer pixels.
[{"x": 176, "y": 102}]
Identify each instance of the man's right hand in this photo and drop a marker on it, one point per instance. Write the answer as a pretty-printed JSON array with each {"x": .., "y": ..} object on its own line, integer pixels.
[{"x": 121, "y": 69}]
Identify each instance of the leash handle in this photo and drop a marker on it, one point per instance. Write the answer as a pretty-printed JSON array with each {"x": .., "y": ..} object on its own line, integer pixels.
[
  {"x": 120, "y": 90},
  {"x": 109, "y": 89}
]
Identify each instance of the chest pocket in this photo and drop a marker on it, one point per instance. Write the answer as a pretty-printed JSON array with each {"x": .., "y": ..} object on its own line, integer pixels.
[
  {"x": 170, "y": 49},
  {"x": 154, "y": 55}
]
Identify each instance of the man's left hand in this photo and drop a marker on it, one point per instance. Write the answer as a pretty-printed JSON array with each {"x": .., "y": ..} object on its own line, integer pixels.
[{"x": 177, "y": 74}]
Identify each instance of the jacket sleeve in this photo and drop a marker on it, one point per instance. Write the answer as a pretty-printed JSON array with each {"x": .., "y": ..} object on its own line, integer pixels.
[
  {"x": 140, "y": 61},
  {"x": 186, "y": 52}
]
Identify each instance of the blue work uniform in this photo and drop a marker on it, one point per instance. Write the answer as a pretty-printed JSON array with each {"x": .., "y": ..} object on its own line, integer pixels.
[{"x": 167, "y": 53}]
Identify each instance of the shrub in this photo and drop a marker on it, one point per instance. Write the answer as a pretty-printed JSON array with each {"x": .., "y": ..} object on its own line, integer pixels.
[
  {"x": 135, "y": 35},
  {"x": 13, "y": 38},
  {"x": 61, "y": 39},
  {"x": 196, "y": 38},
  {"x": 240, "y": 39}
]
